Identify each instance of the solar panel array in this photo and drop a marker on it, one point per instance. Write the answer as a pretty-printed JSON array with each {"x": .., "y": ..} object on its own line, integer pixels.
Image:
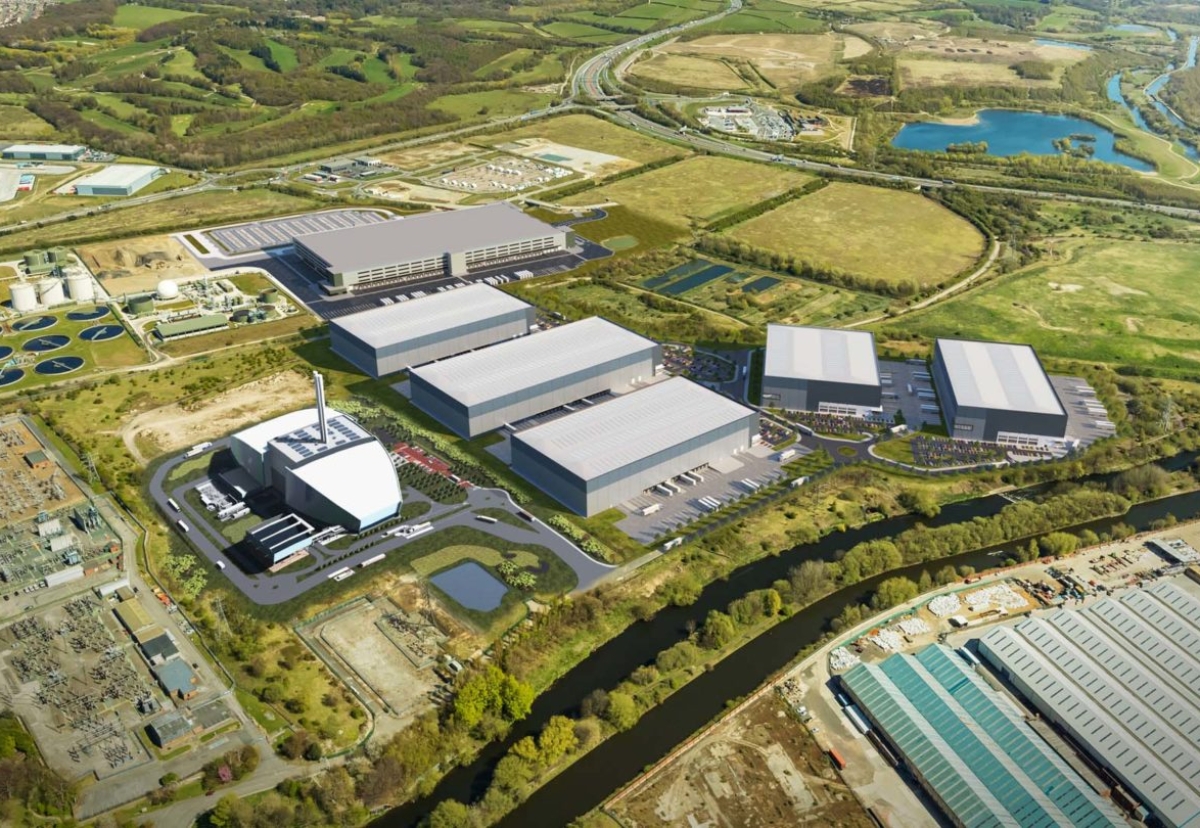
[
  {"x": 971, "y": 747},
  {"x": 1122, "y": 676},
  {"x": 305, "y": 442}
]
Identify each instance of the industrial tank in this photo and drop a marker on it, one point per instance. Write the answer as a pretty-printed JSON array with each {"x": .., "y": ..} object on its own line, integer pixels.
[
  {"x": 269, "y": 296},
  {"x": 141, "y": 303},
  {"x": 167, "y": 290},
  {"x": 80, "y": 287},
  {"x": 24, "y": 297},
  {"x": 50, "y": 292}
]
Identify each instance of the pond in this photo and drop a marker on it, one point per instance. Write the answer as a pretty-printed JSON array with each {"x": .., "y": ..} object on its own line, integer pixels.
[
  {"x": 472, "y": 586},
  {"x": 1136, "y": 28},
  {"x": 1066, "y": 44},
  {"x": 1010, "y": 132}
]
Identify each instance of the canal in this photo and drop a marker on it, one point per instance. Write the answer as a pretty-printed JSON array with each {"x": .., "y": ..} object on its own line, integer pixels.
[{"x": 618, "y": 760}]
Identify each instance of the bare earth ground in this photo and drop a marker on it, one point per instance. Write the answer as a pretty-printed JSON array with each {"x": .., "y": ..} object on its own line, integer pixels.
[
  {"x": 589, "y": 162},
  {"x": 140, "y": 264},
  {"x": 419, "y": 157},
  {"x": 761, "y": 767},
  {"x": 975, "y": 61},
  {"x": 688, "y": 71},
  {"x": 895, "y": 30},
  {"x": 174, "y": 427},
  {"x": 403, "y": 191},
  {"x": 781, "y": 58}
]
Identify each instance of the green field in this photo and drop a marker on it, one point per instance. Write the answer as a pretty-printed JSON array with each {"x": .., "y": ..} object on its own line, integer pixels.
[
  {"x": 887, "y": 235},
  {"x": 18, "y": 122},
  {"x": 1124, "y": 303},
  {"x": 494, "y": 103},
  {"x": 143, "y": 17},
  {"x": 695, "y": 191},
  {"x": 587, "y": 132},
  {"x": 581, "y": 31}
]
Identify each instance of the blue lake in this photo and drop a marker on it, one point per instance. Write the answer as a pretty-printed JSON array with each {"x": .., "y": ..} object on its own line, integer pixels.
[
  {"x": 472, "y": 586},
  {"x": 1136, "y": 28},
  {"x": 1009, "y": 132},
  {"x": 1044, "y": 41}
]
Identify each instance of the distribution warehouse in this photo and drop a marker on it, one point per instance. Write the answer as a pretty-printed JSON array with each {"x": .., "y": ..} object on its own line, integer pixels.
[
  {"x": 117, "y": 180},
  {"x": 42, "y": 152},
  {"x": 598, "y": 457},
  {"x": 396, "y": 337},
  {"x": 486, "y": 389},
  {"x": 432, "y": 244},
  {"x": 821, "y": 369},
  {"x": 969, "y": 747},
  {"x": 324, "y": 464},
  {"x": 1122, "y": 678},
  {"x": 997, "y": 392}
]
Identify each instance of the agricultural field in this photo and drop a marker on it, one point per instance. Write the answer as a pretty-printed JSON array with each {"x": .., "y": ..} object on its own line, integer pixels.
[
  {"x": 143, "y": 17},
  {"x": 688, "y": 72},
  {"x": 494, "y": 103},
  {"x": 587, "y": 132},
  {"x": 762, "y": 17},
  {"x": 890, "y": 236},
  {"x": 965, "y": 61},
  {"x": 19, "y": 123},
  {"x": 782, "y": 59},
  {"x": 695, "y": 191},
  {"x": 1120, "y": 302}
]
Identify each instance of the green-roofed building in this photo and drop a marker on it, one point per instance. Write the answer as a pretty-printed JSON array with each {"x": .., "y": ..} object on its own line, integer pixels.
[
  {"x": 970, "y": 748},
  {"x": 192, "y": 325}
]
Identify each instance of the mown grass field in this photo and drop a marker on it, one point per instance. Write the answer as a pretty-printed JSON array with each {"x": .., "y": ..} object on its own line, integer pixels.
[
  {"x": 143, "y": 17},
  {"x": 492, "y": 103},
  {"x": 19, "y": 122},
  {"x": 689, "y": 72},
  {"x": 888, "y": 235},
  {"x": 590, "y": 133},
  {"x": 1124, "y": 303},
  {"x": 696, "y": 191}
]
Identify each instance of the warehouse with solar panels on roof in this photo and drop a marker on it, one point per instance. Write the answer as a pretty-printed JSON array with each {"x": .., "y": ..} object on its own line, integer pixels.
[
  {"x": 1121, "y": 677},
  {"x": 397, "y": 337},
  {"x": 997, "y": 392},
  {"x": 486, "y": 389},
  {"x": 969, "y": 747},
  {"x": 451, "y": 243},
  {"x": 601, "y": 456},
  {"x": 821, "y": 369}
]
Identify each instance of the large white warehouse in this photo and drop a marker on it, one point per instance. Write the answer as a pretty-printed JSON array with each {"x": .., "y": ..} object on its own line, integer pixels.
[
  {"x": 324, "y": 464},
  {"x": 396, "y": 337},
  {"x": 821, "y": 369},
  {"x": 428, "y": 245}
]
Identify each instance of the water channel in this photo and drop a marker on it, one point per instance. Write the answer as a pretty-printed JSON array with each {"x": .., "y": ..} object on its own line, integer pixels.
[{"x": 595, "y": 776}]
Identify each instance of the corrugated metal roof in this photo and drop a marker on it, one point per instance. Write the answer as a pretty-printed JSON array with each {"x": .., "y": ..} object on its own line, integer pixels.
[
  {"x": 195, "y": 324},
  {"x": 821, "y": 354},
  {"x": 1124, "y": 676},
  {"x": 423, "y": 236},
  {"x": 511, "y": 366},
  {"x": 998, "y": 375},
  {"x": 117, "y": 175},
  {"x": 633, "y": 426},
  {"x": 55, "y": 148},
  {"x": 407, "y": 321},
  {"x": 971, "y": 746}
]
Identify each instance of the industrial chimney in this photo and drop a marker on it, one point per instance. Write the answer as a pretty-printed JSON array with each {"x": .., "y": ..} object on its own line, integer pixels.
[{"x": 319, "y": 387}]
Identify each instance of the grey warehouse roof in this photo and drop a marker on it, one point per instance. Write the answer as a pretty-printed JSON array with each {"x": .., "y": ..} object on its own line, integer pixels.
[
  {"x": 969, "y": 743},
  {"x": 1122, "y": 675},
  {"x": 116, "y": 175},
  {"x": 501, "y": 369},
  {"x": 614, "y": 434},
  {"x": 406, "y": 321},
  {"x": 423, "y": 237},
  {"x": 822, "y": 354},
  {"x": 998, "y": 375}
]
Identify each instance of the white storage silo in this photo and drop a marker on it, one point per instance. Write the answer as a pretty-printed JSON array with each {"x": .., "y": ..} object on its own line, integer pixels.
[
  {"x": 50, "y": 292},
  {"x": 167, "y": 290},
  {"x": 24, "y": 297},
  {"x": 80, "y": 287}
]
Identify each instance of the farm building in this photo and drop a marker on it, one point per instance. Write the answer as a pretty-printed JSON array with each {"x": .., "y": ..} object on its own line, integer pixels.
[
  {"x": 485, "y": 389},
  {"x": 42, "y": 152},
  {"x": 396, "y": 337},
  {"x": 821, "y": 369},
  {"x": 969, "y": 747},
  {"x": 428, "y": 245},
  {"x": 1122, "y": 678},
  {"x": 997, "y": 392},
  {"x": 595, "y": 458},
  {"x": 279, "y": 538},
  {"x": 117, "y": 180},
  {"x": 324, "y": 464}
]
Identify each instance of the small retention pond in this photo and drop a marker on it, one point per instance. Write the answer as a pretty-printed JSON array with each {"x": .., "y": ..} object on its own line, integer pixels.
[{"x": 1009, "y": 132}]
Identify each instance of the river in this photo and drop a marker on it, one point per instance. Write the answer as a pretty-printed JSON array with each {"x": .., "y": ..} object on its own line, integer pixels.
[
  {"x": 1152, "y": 91},
  {"x": 618, "y": 760}
]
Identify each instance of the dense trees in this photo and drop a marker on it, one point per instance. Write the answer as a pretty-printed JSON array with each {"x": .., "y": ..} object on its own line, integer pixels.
[{"x": 491, "y": 692}]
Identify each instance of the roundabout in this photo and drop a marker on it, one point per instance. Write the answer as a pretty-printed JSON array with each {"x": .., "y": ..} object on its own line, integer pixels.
[
  {"x": 59, "y": 365},
  {"x": 36, "y": 323},
  {"x": 101, "y": 333},
  {"x": 88, "y": 316},
  {"x": 10, "y": 375},
  {"x": 45, "y": 344}
]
